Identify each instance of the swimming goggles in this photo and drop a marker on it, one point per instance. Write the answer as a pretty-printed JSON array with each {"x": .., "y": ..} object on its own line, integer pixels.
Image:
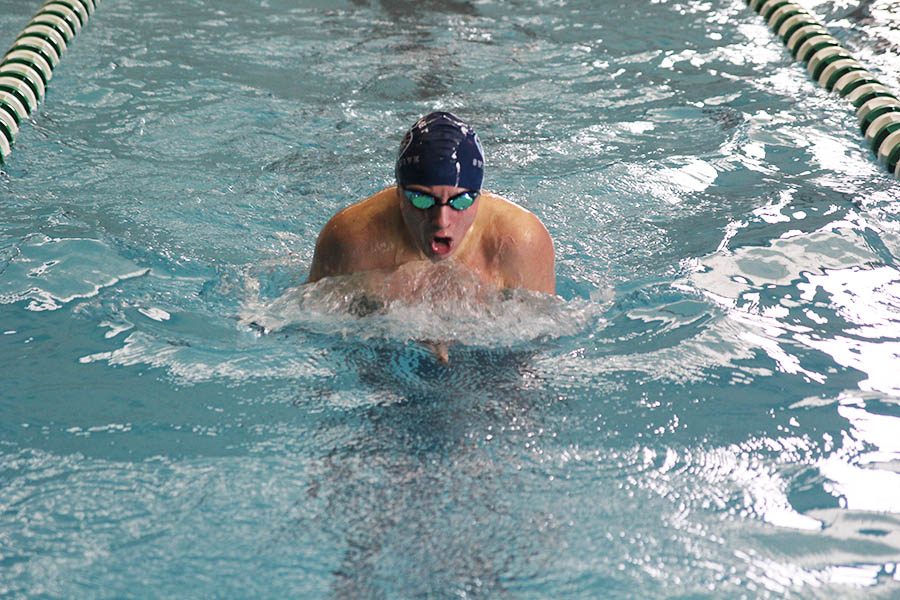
[{"x": 424, "y": 200}]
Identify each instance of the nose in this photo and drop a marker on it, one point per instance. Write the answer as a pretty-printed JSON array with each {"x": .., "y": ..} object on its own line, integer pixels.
[{"x": 441, "y": 216}]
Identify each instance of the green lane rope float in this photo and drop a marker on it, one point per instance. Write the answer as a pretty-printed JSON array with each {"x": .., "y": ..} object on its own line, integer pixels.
[
  {"x": 833, "y": 68},
  {"x": 28, "y": 65}
]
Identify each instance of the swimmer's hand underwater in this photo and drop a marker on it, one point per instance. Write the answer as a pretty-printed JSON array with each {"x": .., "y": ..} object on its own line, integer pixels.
[
  {"x": 363, "y": 305},
  {"x": 437, "y": 290},
  {"x": 441, "y": 351}
]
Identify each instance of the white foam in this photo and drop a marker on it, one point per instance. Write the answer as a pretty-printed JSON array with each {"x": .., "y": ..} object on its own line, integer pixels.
[
  {"x": 157, "y": 314},
  {"x": 51, "y": 272},
  {"x": 421, "y": 301},
  {"x": 416, "y": 303}
]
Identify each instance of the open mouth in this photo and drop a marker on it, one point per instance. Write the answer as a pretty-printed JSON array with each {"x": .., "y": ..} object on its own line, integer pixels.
[{"x": 440, "y": 246}]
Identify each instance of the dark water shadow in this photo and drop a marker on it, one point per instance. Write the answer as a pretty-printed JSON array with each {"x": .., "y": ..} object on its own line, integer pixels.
[
  {"x": 421, "y": 494},
  {"x": 411, "y": 9}
]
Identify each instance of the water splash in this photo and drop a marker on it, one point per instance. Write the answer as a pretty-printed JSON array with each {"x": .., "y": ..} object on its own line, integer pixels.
[{"x": 422, "y": 301}]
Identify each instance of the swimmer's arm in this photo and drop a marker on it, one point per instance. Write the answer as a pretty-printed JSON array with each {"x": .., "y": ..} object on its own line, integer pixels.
[
  {"x": 330, "y": 257},
  {"x": 528, "y": 262}
]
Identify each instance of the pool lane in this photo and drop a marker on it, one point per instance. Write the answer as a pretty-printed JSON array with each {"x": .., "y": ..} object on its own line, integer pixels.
[
  {"x": 835, "y": 69},
  {"x": 28, "y": 65}
]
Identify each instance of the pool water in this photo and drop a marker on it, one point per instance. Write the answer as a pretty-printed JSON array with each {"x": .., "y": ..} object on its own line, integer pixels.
[{"x": 709, "y": 409}]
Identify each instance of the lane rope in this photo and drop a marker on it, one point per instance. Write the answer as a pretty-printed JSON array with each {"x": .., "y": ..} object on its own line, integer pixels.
[
  {"x": 27, "y": 67},
  {"x": 835, "y": 69}
]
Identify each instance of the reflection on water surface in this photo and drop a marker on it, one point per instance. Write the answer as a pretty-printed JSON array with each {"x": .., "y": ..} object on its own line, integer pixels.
[{"x": 708, "y": 409}]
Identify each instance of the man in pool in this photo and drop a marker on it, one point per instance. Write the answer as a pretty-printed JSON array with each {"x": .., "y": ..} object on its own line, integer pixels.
[{"x": 438, "y": 212}]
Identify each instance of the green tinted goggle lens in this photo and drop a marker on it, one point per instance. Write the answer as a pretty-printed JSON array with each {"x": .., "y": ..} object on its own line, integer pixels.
[{"x": 424, "y": 201}]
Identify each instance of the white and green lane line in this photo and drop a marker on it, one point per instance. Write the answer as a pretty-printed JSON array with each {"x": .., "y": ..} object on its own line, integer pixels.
[
  {"x": 835, "y": 69},
  {"x": 28, "y": 66}
]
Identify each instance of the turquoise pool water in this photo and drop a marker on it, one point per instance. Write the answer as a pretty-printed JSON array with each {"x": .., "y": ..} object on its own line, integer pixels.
[{"x": 710, "y": 408}]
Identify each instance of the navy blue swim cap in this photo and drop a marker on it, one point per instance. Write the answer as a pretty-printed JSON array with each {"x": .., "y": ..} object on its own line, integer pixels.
[{"x": 441, "y": 149}]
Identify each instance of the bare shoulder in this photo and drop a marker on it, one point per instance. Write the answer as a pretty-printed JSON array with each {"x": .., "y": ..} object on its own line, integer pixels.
[
  {"x": 359, "y": 215},
  {"x": 518, "y": 221},
  {"x": 344, "y": 244},
  {"x": 522, "y": 244}
]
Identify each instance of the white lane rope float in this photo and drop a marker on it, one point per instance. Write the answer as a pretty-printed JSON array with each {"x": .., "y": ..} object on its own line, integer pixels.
[
  {"x": 27, "y": 67},
  {"x": 835, "y": 69}
]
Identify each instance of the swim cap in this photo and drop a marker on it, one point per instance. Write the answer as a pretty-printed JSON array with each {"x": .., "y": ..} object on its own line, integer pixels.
[{"x": 441, "y": 149}]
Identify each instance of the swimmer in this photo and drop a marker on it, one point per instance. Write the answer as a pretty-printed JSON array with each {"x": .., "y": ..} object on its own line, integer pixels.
[{"x": 436, "y": 213}]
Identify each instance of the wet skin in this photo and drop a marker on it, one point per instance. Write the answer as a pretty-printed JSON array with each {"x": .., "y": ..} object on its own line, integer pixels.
[{"x": 502, "y": 243}]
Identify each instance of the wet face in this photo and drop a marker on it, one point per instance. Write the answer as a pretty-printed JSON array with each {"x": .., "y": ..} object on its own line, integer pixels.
[{"x": 437, "y": 231}]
